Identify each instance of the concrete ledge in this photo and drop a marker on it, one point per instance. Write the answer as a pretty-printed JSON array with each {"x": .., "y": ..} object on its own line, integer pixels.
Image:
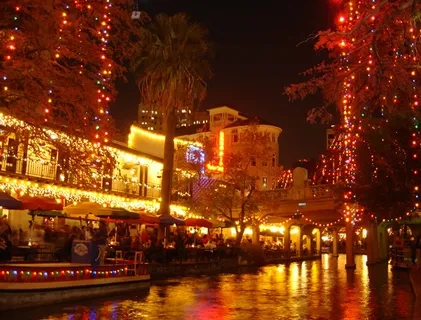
[{"x": 169, "y": 270}]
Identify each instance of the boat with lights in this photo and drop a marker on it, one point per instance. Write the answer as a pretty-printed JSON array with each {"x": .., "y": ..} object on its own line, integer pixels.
[{"x": 38, "y": 284}]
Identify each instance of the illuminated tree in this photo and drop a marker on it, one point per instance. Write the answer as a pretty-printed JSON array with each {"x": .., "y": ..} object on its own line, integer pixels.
[
  {"x": 171, "y": 72},
  {"x": 234, "y": 196},
  {"x": 388, "y": 171},
  {"x": 58, "y": 63},
  {"x": 372, "y": 70}
]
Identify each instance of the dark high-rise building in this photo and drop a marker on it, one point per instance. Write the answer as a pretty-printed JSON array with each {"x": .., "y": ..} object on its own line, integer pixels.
[{"x": 150, "y": 118}]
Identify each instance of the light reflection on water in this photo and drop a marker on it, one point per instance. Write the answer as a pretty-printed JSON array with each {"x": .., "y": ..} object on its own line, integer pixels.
[{"x": 307, "y": 290}]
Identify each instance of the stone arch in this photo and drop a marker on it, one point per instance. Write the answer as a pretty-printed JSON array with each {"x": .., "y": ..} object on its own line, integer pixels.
[
  {"x": 292, "y": 238},
  {"x": 317, "y": 238}
]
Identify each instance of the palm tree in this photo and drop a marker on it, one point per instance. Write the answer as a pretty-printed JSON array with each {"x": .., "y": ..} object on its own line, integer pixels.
[{"x": 171, "y": 73}]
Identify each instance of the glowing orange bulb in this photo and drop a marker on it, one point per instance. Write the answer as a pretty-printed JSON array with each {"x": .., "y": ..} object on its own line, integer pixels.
[{"x": 341, "y": 19}]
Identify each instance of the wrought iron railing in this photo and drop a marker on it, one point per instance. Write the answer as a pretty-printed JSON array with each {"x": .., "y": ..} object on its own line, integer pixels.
[
  {"x": 51, "y": 171},
  {"x": 307, "y": 193}
]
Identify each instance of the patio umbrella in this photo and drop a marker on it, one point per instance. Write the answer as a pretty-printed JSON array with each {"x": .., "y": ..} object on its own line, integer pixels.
[
  {"x": 170, "y": 220},
  {"x": 8, "y": 202},
  {"x": 39, "y": 203},
  {"x": 116, "y": 213},
  {"x": 48, "y": 213},
  {"x": 193, "y": 222},
  {"x": 82, "y": 209},
  {"x": 147, "y": 218}
]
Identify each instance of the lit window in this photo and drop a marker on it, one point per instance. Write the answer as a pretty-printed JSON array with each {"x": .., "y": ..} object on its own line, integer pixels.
[{"x": 265, "y": 181}]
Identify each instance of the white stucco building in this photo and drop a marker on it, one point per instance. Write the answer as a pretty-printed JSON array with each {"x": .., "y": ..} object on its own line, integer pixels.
[{"x": 225, "y": 130}]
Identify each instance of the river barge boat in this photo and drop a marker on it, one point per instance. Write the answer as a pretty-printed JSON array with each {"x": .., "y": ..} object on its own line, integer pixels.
[{"x": 28, "y": 285}]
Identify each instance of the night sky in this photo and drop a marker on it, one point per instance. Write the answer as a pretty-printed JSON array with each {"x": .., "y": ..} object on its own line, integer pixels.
[{"x": 256, "y": 56}]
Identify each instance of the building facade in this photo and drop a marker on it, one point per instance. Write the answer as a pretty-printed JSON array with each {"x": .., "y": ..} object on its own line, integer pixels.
[
  {"x": 131, "y": 179},
  {"x": 151, "y": 119},
  {"x": 225, "y": 130}
]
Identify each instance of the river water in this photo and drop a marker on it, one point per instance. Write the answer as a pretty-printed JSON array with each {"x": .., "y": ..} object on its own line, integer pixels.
[{"x": 320, "y": 289}]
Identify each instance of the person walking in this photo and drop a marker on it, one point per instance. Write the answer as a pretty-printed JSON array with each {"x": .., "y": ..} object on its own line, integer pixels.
[{"x": 101, "y": 241}]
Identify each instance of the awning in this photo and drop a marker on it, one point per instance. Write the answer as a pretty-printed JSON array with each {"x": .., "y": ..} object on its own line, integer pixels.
[
  {"x": 8, "y": 202},
  {"x": 192, "y": 222},
  {"x": 170, "y": 220},
  {"x": 39, "y": 203}
]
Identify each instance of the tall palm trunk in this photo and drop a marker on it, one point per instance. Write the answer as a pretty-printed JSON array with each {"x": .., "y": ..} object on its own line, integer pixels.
[{"x": 167, "y": 174}]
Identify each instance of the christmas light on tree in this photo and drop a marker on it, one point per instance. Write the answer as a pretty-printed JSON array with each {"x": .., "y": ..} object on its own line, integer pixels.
[
  {"x": 58, "y": 69},
  {"x": 371, "y": 76}
]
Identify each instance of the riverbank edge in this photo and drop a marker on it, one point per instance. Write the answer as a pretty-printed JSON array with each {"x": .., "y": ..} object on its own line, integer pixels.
[
  {"x": 175, "y": 270},
  {"x": 415, "y": 276}
]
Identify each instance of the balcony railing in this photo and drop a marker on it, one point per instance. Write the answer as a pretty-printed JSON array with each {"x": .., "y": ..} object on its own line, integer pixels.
[
  {"x": 307, "y": 193},
  {"x": 51, "y": 171}
]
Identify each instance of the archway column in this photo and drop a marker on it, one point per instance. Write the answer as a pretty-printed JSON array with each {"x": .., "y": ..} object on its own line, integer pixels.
[
  {"x": 335, "y": 242},
  {"x": 370, "y": 244},
  {"x": 309, "y": 244},
  {"x": 350, "y": 263},
  {"x": 319, "y": 242},
  {"x": 299, "y": 242},
  {"x": 287, "y": 240},
  {"x": 376, "y": 255},
  {"x": 383, "y": 252}
]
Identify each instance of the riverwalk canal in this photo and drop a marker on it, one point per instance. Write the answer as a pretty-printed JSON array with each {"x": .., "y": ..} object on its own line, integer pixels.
[{"x": 319, "y": 289}]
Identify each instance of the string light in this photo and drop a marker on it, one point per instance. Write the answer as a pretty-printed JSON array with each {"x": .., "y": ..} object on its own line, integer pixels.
[
  {"x": 221, "y": 147},
  {"x": 137, "y": 134},
  {"x": 34, "y": 274}
]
